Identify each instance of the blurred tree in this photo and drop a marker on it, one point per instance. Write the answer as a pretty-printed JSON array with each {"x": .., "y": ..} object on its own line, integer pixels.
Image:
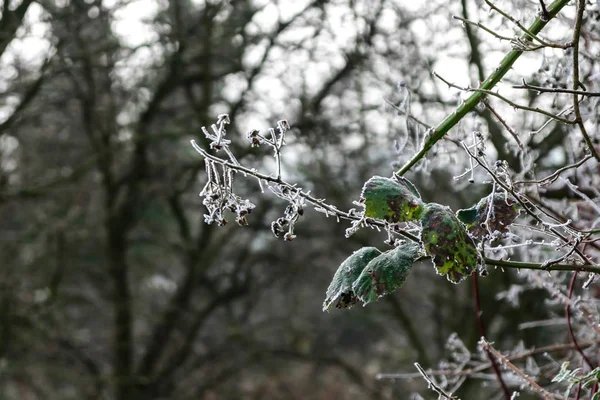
[{"x": 112, "y": 285}]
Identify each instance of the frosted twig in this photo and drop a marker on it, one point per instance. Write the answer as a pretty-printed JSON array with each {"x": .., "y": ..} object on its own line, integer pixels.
[
  {"x": 579, "y": 193},
  {"x": 563, "y": 298},
  {"x": 485, "y": 345},
  {"x": 432, "y": 385},
  {"x": 553, "y": 177}
]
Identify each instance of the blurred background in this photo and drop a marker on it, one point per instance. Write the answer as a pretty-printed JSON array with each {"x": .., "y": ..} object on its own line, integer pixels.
[{"x": 112, "y": 286}]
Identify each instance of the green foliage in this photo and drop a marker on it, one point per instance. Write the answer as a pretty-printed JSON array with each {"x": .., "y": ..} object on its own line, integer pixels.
[
  {"x": 575, "y": 377},
  {"x": 340, "y": 290},
  {"x": 391, "y": 199},
  {"x": 385, "y": 273},
  {"x": 489, "y": 216},
  {"x": 368, "y": 274},
  {"x": 446, "y": 240}
]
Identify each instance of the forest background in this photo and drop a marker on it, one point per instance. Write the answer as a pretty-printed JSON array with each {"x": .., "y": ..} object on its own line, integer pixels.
[{"x": 112, "y": 286}]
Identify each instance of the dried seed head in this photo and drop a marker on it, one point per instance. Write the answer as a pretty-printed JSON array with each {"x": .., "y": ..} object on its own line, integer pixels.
[
  {"x": 289, "y": 236},
  {"x": 276, "y": 229},
  {"x": 223, "y": 119},
  {"x": 283, "y": 125},
  {"x": 282, "y": 221}
]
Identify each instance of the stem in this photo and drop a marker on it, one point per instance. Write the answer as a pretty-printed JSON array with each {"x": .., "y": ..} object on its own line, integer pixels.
[
  {"x": 533, "y": 385},
  {"x": 481, "y": 326},
  {"x": 570, "y": 326},
  {"x": 576, "y": 111},
  {"x": 444, "y": 127},
  {"x": 572, "y": 335},
  {"x": 530, "y": 35},
  {"x": 542, "y": 89}
]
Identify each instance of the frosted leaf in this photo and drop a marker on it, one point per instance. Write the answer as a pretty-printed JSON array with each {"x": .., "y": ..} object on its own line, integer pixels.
[
  {"x": 392, "y": 200},
  {"x": 445, "y": 239},
  {"x": 487, "y": 216},
  {"x": 340, "y": 289},
  {"x": 385, "y": 273}
]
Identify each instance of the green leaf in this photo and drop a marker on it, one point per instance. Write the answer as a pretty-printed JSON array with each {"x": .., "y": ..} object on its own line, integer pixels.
[
  {"x": 385, "y": 273},
  {"x": 481, "y": 220},
  {"x": 340, "y": 288},
  {"x": 446, "y": 240},
  {"x": 408, "y": 184},
  {"x": 391, "y": 199},
  {"x": 467, "y": 216}
]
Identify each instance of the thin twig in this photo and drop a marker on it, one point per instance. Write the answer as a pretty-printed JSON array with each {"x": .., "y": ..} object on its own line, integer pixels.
[
  {"x": 553, "y": 177},
  {"x": 574, "y": 339},
  {"x": 576, "y": 111},
  {"x": 410, "y": 116},
  {"x": 527, "y": 31},
  {"x": 510, "y": 130},
  {"x": 432, "y": 385},
  {"x": 587, "y": 314},
  {"x": 485, "y": 28},
  {"x": 539, "y": 267},
  {"x": 542, "y": 89}
]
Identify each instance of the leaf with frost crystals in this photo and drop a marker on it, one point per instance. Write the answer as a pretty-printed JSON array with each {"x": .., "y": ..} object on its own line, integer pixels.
[
  {"x": 391, "y": 199},
  {"x": 446, "y": 240},
  {"x": 505, "y": 210},
  {"x": 340, "y": 288},
  {"x": 385, "y": 273}
]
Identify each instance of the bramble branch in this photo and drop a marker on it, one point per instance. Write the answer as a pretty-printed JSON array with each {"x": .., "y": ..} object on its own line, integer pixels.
[{"x": 451, "y": 120}]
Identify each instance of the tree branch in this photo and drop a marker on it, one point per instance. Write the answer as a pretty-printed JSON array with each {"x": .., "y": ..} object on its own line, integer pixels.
[{"x": 444, "y": 127}]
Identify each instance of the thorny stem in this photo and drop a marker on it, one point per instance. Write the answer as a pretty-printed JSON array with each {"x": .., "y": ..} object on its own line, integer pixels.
[
  {"x": 485, "y": 345},
  {"x": 576, "y": 111},
  {"x": 320, "y": 203},
  {"x": 507, "y": 62},
  {"x": 481, "y": 326},
  {"x": 570, "y": 327},
  {"x": 507, "y": 101}
]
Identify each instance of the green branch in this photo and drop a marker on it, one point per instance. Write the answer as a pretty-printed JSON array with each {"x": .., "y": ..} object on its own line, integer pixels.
[{"x": 505, "y": 65}]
